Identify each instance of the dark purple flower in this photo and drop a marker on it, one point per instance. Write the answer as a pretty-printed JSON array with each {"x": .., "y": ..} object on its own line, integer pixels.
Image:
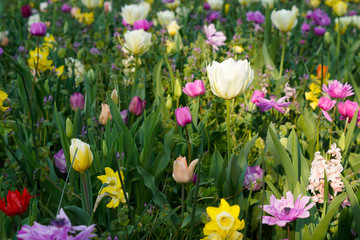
[
  {"x": 137, "y": 105},
  {"x": 256, "y": 17},
  {"x": 252, "y": 177},
  {"x": 21, "y": 49},
  {"x": 143, "y": 24},
  {"x": 38, "y": 29},
  {"x": 26, "y": 11},
  {"x": 319, "y": 31},
  {"x": 206, "y": 6},
  {"x": 284, "y": 210},
  {"x": 66, "y": 8},
  {"x": 60, "y": 228},
  {"x": 213, "y": 15},
  {"x": 352, "y": 13},
  {"x": 60, "y": 161},
  {"x": 77, "y": 101}
]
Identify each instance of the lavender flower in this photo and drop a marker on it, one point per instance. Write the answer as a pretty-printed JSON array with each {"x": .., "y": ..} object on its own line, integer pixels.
[
  {"x": 256, "y": 17},
  {"x": 60, "y": 228},
  {"x": 60, "y": 161},
  {"x": 214, "y": 38},
  {"x": 284, "y": 210},
  {"x": 338, "y": 90},
  {"x": 252, "y": 175},
  {"x": 267, "y": 104},
  {"x": 95, "y": 51}
]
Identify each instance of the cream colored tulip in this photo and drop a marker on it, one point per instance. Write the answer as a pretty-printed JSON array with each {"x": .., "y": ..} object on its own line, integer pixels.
[
  {"x": 165, "y": 17},
  {"x": 181, "y": 172},
  {"x": 268, "y": 3},
  {"x": 284, "y": 20},
  {"x": 131, "y": 13},
  {"x": 115, "y": 96},
  {"x": 216, "y": 4},
  {"x": 229, "y": 78},
  {"x": 173, "y": 5},
  {"x": 91, "y": 4},
  {"x": 105, "y": 114},
  {"x": 83, "y": 158},
  {"x": 172, "y": 28},
  {"x": 137, "y": 41}
]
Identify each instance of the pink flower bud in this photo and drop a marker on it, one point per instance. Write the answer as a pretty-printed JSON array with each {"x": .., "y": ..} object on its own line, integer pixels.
[
  {"x": 326, "y": 104},
  {"x": 107, "y": 7},
  {"x": 137, "y": 106},
  {"x": 38, "y": 29},
  {"x": 194, "y": 89},
  {"x": 183, "y": 116},
  {"x": 77, "y": 101}
]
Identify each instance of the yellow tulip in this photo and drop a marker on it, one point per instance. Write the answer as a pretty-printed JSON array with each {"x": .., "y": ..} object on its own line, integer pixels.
[
  {"x": 172, "y": 28},
  {"x": 83, "y": 158},
  {"x": 340, "y": 8}
]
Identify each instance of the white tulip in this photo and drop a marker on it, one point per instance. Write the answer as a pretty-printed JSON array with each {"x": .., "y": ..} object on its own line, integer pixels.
[
  {"x": 33, "y": 19},
  {"x": 43, "y": 6},
  {"x": 295, "y": 10},
  {"x": 137, "y": 41},
  {"x": 216, "y": 4},
  {"x": 165, "y": 17},
  {"x": 173, "y": 5},
  {"x": 269, "y": 3},
  {"x": 284, "y": 20},
  {"x": 229, "y": 78},
  {"x": 132, "y": 13},
  {"x": 91, "y": 4}
]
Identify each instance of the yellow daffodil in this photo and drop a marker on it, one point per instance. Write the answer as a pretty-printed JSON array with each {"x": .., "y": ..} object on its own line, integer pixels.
[
  {"x": 49, "y": 41},
  {"x": 331, "y": 3},
  {"x": 313, "y": 95},
  {"x": 38, "y": 58},
  {"x": 113, "y": 187},
  {"x": 60, "y": 71},
  {"x": 3, "y": 96},
  {"x": 224, "y": 223}
]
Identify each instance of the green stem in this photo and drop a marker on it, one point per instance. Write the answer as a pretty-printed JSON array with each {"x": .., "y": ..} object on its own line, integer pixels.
[
  {"x": 288, "y": 230},
  {"x": 326, "y": 193},
  {"x": 247, "y": 210},
  {"x": 182, "y": 200},
  {"x": 87, "y": 200},
  {"x": 195, "y": 200},
  {"x": 188, "y": 144},
  {"x": 282, "y": 55},
  {"x": 228, "y": 127},
  {"x": 267, "y": 26},
  {"x": 318, "y": 134}
]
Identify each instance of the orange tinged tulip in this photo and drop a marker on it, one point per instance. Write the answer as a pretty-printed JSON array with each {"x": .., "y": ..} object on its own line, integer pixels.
[
  {"x": 182, "y": 173},
  {"x": 324, "y": 69}
]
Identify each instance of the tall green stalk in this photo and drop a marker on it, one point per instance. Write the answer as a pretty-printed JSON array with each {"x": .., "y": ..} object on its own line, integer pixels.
[
  {"x": 282, "y": 55},
  {"x": 86, "y": 193},
  {"x": 228, "y": 127}
]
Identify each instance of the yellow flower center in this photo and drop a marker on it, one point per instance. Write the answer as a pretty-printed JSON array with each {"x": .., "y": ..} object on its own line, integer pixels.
[{"x": 224, "y": 220}]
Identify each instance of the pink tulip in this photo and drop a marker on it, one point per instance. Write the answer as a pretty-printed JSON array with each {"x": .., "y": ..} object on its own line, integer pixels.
[
  {"x": 347, "y": 109},
  {"x": 194, "y": 89},
  {"x": 183, "y": 116},
  {"x": 326, "y": 104},
  {"x": 142, "y": 24},
  {"x": 257, "y": 95},
  {"x": 77, "y": 101},
  {"x": 38, "y": 29},
  {"x": 137, "y": 105},
  {"x": 181, "y": 172}
]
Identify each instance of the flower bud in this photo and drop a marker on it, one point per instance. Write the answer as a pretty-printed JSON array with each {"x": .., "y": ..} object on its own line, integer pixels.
[
  {"x": 90, "y": 75},
  {"x": 83, "y": 158},
  {"x": 38, "y": 29},
  {"x": 124, "y": 116},
  {"x": 105, "y": 114},
  {"x": 172, "y": 28},
  {"x": 168, "y": 103},
  {"x": 77, "y": 101},
  {"x": 183, "y": 116},
  {"x": 194, "y": 89},
  {"x": 60, "y": 161},
  {"x": 327, "y": 38},
  {"x": 137, "y": 106},
  {"x": 115, "y": 96},
  {"x": 181, "y": 172},
  {"x": 26, "y": 11},
  {"x": 107, "y": 7},
  {"x": 69, "y": 128},
  {"x": 104, "y": 149},
  {"x": 177, "y": 90}
]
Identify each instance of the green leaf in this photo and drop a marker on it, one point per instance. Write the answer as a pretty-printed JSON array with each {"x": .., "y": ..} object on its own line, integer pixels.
[
  {"x": 354, "y": 204},
  {"x": 217, "y": 170},
  {"x": 350, "y": 133},
  {"x": 342, "y": 143},
  {"x": 77, "y": 215},
  {"x": 344, "y": 226},
  {"x": 354, "y": 160},
  {"x": 321, "y": 229},
  {"x": 158, "y": 86}
]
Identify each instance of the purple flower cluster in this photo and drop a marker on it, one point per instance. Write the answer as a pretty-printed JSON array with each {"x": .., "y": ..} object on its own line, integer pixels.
[
  {"x": 319, "y": 19},
  {"x": 255, "y": 17}
]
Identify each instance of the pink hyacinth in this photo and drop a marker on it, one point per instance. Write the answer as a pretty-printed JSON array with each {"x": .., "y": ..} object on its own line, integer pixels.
[
  {"x": 143, "y": 24},
  {"x": 194, "y": 89},
  {"x": 214, "y": 38},
  {"x": 257, "y": 96},
  {"x": 338, "y": 90},
  {"x": 253, "y": 176},
  {"x": 326, "y": 104},
  {"x": 284, "y": 210},
  {"x": 267, "y": 104},
  {"x": 347, "y": 109}
]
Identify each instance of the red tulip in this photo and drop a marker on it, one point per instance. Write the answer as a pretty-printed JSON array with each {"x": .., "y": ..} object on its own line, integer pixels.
[{"x": 16, "y": 203}]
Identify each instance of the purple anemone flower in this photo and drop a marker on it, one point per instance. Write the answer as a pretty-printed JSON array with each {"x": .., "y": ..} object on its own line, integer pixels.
[{"x": 338, "y": 90}]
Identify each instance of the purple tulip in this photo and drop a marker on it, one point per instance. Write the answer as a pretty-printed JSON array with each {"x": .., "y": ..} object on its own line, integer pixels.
[
  {"x": 338, "y": 90},
  {"x": 124, "y": 116},
  {"x": 206, "y": 6},
  {"x": 26, "y": 11},
  {"x": 38, "y": 29},
  {"x": 143, "y": 24},
  {"x": 347, "y": 109},
  {"x": 252, "y": 175},
  {"x": 305, "y": 28},
  {"x": 284, "y": 210},
  {"x": 60, "y": 161},
  {"x": 352, "y": 13},
  {"x": 326, "y": 104},
  {"x": 319, "y": 31},
  {"x": 66, "y": 8},
  {"x": 194, "y": 89},
  {"x": 257, "y": 96},
  {"x": 77, "y": 101},
  {"x": 137, "y": 105},
  {"x": 183, "y": 116}
]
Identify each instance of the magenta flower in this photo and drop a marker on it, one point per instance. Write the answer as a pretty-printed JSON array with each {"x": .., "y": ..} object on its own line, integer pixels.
[
  {"x": 38, "y": 29},
  {"x": 77, "y": 101},
  {"x": 347, "y": 109},
  {"x": 305, "y": 28},
  {"x": 214, "y": 38},
  {"x": 338, "y": 90},
  {"x": 66, "y": 8},
  {"x": 194, "y": 89},
  {"x": 183, "y": 116},
  {"x": 267, "y": 104},
  {"x": 137, "y": 105},
  {"x": 256, "y": 17},
  {"x": 284, "y": 210},
  {"x": 257, "y": 96},
  {"x": 142, "y": 24},
  {"x": 319, "y": 31},
  {"x": 60, "y": 228},
  {"x": 320, "y": 18},
  {"x": 252, "y": 175},
  {"x": 326, "y": 104},
  {"x": 60, "y": 161}
]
